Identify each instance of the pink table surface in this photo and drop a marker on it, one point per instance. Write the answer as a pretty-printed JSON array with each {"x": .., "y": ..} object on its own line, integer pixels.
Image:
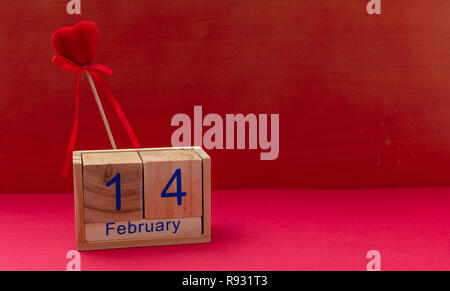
[{"x": 252, "y": 230}]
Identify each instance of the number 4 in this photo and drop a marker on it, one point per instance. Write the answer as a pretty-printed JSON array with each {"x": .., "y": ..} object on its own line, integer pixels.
[{"x": 178, "y": 194}]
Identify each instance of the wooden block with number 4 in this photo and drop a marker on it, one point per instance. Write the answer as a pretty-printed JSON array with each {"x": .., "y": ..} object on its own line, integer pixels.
[
  {"x": 112, "y": 186},
  {"x": 172, "y": 183}
]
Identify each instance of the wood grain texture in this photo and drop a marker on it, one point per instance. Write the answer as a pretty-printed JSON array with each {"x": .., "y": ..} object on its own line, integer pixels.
[
  {"x": 185, "y": 227},
  {"x": 145, "y": 242},
  {"x": 78, "y": 198},
  {"x": 84, "y": 245},
  {"x": 99, "y": 199},
  {"x": 206, "y": 173},
  {"x": 159, "y": 168}
]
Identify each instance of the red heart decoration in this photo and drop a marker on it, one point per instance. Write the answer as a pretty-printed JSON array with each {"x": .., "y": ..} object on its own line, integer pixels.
[{"x": 78, "y": 43}]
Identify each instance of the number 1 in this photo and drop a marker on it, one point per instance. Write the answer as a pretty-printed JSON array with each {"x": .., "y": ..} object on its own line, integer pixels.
[{"x": 116, "y": 180}]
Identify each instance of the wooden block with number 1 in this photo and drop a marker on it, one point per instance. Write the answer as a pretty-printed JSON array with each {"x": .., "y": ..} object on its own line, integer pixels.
[{"x": 112, "y": 185}]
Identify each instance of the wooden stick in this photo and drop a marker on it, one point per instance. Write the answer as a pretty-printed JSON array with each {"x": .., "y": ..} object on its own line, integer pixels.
[{"x": 100, "y": 108}]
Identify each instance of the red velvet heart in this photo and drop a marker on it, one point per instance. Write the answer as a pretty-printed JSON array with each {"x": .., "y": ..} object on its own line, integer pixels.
[{"x": 78, "y": 43}]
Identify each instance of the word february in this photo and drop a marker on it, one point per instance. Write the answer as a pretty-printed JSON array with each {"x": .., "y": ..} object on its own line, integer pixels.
[
  {"x": 235, "y": 126},
  {"x": 141, "y": 229},
  {"x": 131, "y": 228}
]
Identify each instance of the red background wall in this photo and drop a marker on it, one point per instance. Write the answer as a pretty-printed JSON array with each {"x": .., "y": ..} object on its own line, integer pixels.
[{"x": 363, "y": 100}]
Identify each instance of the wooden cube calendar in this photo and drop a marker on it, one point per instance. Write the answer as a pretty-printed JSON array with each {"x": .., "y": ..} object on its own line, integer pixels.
[{"x": 142, "y": 197}]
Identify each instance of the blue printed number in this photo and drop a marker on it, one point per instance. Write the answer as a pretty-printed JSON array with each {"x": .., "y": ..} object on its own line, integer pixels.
[
  {"x": 116, "y": 180},
  {"x": 178, "y": 194}
]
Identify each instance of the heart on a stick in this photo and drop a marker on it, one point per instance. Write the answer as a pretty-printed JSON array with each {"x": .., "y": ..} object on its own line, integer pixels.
[
  {"x": 78, "y": 43},
  {"x": 76, "y": 48}
]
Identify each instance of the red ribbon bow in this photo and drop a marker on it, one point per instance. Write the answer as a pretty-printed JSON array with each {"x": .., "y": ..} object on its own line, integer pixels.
[{"x": 95, "y": 70}]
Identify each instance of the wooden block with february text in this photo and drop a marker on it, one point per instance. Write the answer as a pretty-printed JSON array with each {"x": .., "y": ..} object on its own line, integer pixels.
[
  {"x": 172, "y": 183},
  {"x": 112, "y": 185},
  {"x": 139, "y": 229}
]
